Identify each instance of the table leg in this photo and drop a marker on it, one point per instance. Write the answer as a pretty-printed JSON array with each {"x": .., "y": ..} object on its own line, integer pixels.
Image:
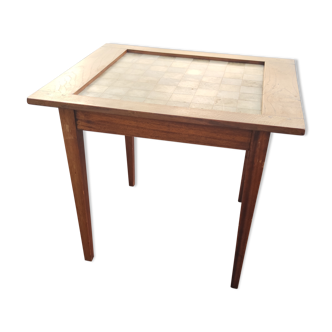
[
  {"x": 241, "y": 181},
  {"x": 74, "y": 143},
  {"x": 254, "y": 169},
  {"x": 130, "y": 149},
  {"x": 243, "y": 175}
]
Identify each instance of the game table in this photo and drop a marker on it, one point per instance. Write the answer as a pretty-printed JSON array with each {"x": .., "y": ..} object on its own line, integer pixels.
[{"x": 222, "y": 100}]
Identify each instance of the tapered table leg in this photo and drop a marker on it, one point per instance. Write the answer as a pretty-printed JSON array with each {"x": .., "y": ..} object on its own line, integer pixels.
[
  {"x": 243, "y": 175},
  {"x": 130, "y": 149},
  {"x": 241, "y": 180},
  {"x": 254, "y": 169},
  {"x": 74, "y": 143}
]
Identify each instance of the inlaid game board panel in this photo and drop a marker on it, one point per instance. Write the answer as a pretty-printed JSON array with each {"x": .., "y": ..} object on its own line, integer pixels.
[{"x": 183, "y": 82}]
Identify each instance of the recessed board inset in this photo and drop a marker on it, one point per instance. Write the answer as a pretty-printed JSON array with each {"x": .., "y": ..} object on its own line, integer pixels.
[{"x": 184, "y": 82}]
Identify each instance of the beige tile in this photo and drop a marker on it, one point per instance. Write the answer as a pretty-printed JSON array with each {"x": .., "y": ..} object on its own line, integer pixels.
[
  {"x": 233, "y": 75},
  {"x": 250, "y": 96},
  {"x": 133, "y": 98},
  {"x": 163, "y": 62},
  {"x": 249, "y": 111},
  {"x": 158, "y": 68},
  {"x": 165, "y": 88},
  {"x": 109, "y": 96},
  {"x": 129, "y": 77},
  {"x": 194, "y": 78},
  {"x": 228, "y": 94},
  {"x": 176, "y": 76},
  {"x": 203, "y": 100},
  {"x": 155, "y": 101},
  {"x": 159, "y": 95},
  {"x": 209, "y": 86},
  {"x": 195, "y": 72},
  {"x": 235, "y": 69},
  {"x": 177, "y": 103},
  {"x": 211, "y": 79},
  {"x": 140, "y": 66},
  {"x": 227, "y": 102},
  {"x": 185, "y": 91},
  {"x": 231, "y": 81},
  {"x": 148, "y": 79},
  {"x": 169, "y": 81},
  {"x": 249, "y": 77},
  {"x": 226, "y": 87},
  {"x": 254, "y": 71},
  {"x": 130, "y": 57},
  {"x": 252, "y": 105},
  {"x": 151, "y": 73},
  {"x": 225, "y": 108},
  {"x": 202, "y": 106},
  {"x": 254, "y": 84},
  {"x": 180, "y": 64},
  {"x": 206, "y": 92},
  {"x": 198, "y": 66},
  {"x": 214, "y": 73},
  {"x": 145, "y": 60},
  {"x": 177, "y": 70},
  {"x": 181, "y": 98},
  {"x": 143, "y": 85},
  {"x": 248, "y": 89},
  {"x": 116, "y": 91},
  {"x": 189, "y": 84},
  {"x": 123, "y": 84},
  {"x": 138, "y": 93},
  {"x": 135, "y": 71}
]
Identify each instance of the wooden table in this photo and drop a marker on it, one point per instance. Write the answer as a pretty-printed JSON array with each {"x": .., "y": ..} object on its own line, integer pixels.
[{"x": 222, "y": 100}]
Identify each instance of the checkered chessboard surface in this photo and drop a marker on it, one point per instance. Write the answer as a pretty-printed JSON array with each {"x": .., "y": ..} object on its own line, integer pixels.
[{"x": 182, "y": 82}]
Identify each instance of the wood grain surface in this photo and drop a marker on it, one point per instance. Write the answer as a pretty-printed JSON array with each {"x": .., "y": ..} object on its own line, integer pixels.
[{"x": 130, "y": 151}]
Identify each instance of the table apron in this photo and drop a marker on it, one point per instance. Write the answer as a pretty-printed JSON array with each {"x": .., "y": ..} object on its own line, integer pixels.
[{"x": 164, "y": 130}]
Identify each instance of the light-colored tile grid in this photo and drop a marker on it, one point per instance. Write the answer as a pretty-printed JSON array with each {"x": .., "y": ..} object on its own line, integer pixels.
[{"x": 184, "y": 82}]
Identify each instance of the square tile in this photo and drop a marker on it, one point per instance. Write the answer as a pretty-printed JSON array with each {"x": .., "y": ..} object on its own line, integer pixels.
[
  {"x": 165, "y": 88},
  {"x": 206, "y": 92},
  {"x": 203, "y": 100},
  {"x": 116, "y": 91},
  {"x": 184, "y": 91},
  {"x": 249, "y": 89},
  {"x": 181, "y": 98},
  {"x": 155, "y": 101},
  {"x": 178, "y": 104},
  {"x": 252, "y": 105},
  {"x": 159, "y": 95},
  {"x": 250, "y": 97},
  {"x": 227, "y": 102},
  {"x": 201, "y": 106},
  {"x": 231, "y": 81},
  {"x": 138, "y": 93},
  {"x": 228, "y": 94},
  {"x": 189, "y": 84}
]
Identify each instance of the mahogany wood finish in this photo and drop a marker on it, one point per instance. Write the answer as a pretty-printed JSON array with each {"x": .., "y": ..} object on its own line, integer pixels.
[
  {"x": 243, "y": 175},
  {"x": 74, "y": 151},
  {"x": 129, "y": 150}
]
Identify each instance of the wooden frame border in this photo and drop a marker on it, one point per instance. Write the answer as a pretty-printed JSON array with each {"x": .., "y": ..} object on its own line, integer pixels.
[{"x": 281, "y": 109}]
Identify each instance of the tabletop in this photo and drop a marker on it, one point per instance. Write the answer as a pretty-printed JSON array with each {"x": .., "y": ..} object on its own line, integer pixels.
[{"x": 244, "y": 92}]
